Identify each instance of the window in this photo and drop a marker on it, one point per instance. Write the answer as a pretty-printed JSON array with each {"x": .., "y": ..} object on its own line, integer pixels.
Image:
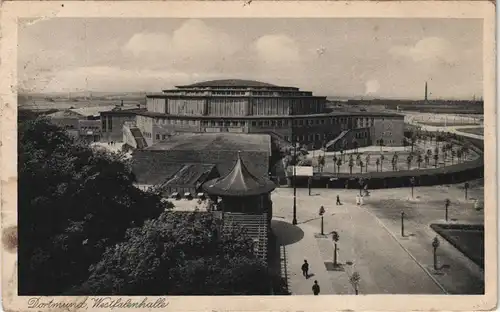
[
  {"x": 285, "y": 122},
  {"x": 103, "y": 125},
  {"x": 212, "y": 123},
  {"x": 234, "y": 123},
  {"x": 273, "y": 122},
  {"x": 110, "y": 123},
  {"x": 254, "y": 123},
  {"x": 280, "y": 123},
  {"x": 226, "y": 123},
  {"x": 322, "y": 121},
  {"x": 301, "y": 122},
  {"x": 164, "y": 136},
  {"x": 285, "y": 137},
  {"x": 266, "y": 122},
  {"x": 261, "y": 123},
  {"x": 219, "y": 123},
  {"x": 316, "y": 121},
  {"x": 157, "y": 136}
]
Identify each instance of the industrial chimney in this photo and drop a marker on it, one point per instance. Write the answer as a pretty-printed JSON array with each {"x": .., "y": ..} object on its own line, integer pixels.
[{"x": 426, "y": 90}]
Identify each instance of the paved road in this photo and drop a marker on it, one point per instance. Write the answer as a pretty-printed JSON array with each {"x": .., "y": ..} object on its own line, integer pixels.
[
  {"x": 453, "y": 129},
  {"x": 368, "y": 242}
]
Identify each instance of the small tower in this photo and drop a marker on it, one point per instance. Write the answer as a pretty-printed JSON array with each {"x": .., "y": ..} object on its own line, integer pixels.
[{"x": 244, "y": 200}]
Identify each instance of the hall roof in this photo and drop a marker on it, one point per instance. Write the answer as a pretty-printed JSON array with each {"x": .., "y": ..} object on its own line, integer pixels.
[
  {"x": 239, "y": 182},
  {"x": 228, "y": 83}
]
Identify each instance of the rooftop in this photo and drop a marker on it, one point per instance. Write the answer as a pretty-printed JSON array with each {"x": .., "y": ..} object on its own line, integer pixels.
[
  {"x": 228, "y": 83},
  {"x": 214, "y": 142},
  {"x": 239, "y": 182}
]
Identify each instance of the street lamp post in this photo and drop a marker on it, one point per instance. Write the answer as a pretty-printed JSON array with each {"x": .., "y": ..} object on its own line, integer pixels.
[
  {"x": 412, "y": 182},
  {"x": 335, "y": 238},
  {"x": 402, "y": 224},
  {"x": 446, "y": 205},
  {"x": 435, "y": 245},
  {"x": 321, "y": 213}
]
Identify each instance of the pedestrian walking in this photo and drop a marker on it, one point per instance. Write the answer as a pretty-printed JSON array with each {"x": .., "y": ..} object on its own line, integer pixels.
[
  {"x": 315, "y": 288},
  {"x": 305, "y": 269},
  {"x": 338, "y": 200}
]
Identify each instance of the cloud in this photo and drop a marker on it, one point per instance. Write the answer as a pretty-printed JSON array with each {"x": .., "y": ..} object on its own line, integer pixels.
[
  {"x": 428, "y": 50},
  {"x": 148, "y": 43},
  {"x": 372, "y": 86},
  {"x": 193, "y": 45},
  {"x": 277, "y": 49}
]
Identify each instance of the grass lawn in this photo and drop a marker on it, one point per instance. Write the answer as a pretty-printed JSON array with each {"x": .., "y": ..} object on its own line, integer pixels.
[
  {"x": 469, "y": 239},
  {"x": 478, "y": 131}
]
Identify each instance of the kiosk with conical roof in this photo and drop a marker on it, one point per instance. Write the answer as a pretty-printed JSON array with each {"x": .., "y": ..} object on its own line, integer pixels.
[{"x": 245, "y": 200}]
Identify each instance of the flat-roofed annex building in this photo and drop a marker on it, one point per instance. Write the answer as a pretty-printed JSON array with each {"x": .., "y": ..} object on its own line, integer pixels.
[{"x": 245, "y": 106}]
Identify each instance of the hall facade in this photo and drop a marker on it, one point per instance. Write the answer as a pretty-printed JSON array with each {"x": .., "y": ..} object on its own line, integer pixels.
[{"x": 243, "y": 106}]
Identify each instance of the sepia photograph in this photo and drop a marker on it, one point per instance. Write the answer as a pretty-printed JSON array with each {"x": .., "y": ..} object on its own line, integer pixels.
[{"x": 251, "y": 156}]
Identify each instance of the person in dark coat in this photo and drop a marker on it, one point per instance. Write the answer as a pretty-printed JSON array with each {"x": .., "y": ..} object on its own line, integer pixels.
[
  {"x": 305, "y": 269},
  {"x": 338, "y": 200},
  {"x": 315, "y": 288}
]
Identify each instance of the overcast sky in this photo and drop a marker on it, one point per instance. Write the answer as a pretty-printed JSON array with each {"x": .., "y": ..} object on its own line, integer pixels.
[{"x": 332, "y": 57}]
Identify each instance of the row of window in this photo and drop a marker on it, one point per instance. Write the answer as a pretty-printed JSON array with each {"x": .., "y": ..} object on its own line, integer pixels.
[
  {"x": 309, "y": 138},
  {"x": 89, "y": 128},
  {"x": 109, "y": 124},
  {"x": 162, "y": 121},
  {"x": 361, "y": 135},
  {"x": 367, "y": 122}
]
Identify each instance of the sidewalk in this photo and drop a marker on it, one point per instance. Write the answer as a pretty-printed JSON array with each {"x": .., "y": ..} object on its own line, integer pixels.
[{"x": 304, "y": 249}]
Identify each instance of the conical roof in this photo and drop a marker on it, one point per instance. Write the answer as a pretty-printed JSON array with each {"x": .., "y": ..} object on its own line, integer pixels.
[{"x": 239, "y": 182}]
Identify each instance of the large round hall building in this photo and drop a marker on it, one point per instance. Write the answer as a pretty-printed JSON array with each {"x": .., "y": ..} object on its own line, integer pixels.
[{"x": 243, "y": 106}]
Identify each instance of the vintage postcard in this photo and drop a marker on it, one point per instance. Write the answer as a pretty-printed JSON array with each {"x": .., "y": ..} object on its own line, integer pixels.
[{"x": 248, "y": 156}]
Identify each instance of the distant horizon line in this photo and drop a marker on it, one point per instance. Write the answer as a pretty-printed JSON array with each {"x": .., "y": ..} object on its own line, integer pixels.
[{"x": 329, "y": 97}]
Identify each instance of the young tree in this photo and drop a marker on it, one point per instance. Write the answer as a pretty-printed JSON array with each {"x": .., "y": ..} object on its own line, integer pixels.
[
  {"x": 355, "y": 145},
  {"x": 377, "y": 163},
  {"x": 436, "y": 158},
  {"x": 361, "y": 183},
  {"x": 361, "y": 166},
  {"x": 339, "y": 163},
  {"x": 321, "y": 162},
  {"x": 412, "y": 142},
  {"x": 351, "y": 164},
  {"x": 426, "y": 158},
  {"x": 381, "y": 143},
  {"x": 409, "y": 159},
  {"x": 354, "y": 280},
  {"x": 419, "y": 160}
]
